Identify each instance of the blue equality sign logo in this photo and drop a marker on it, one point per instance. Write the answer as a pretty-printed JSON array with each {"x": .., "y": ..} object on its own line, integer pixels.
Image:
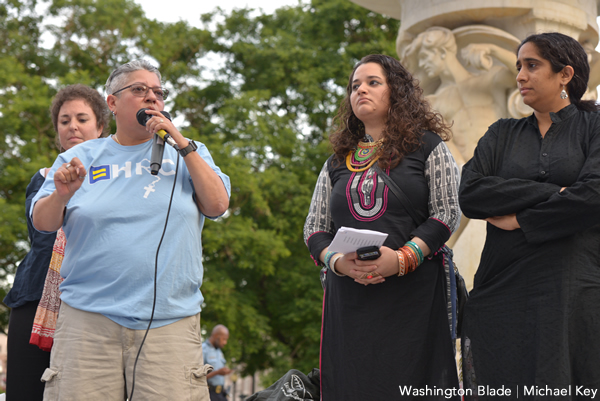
[{"x": 99, "y": 173}]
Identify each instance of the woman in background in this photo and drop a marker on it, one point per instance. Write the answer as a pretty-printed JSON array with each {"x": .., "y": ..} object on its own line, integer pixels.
[
  {"x": 385, "y": 333},
  {"x": 79, "y": 113},
  {"x": 532, "y": 316}
]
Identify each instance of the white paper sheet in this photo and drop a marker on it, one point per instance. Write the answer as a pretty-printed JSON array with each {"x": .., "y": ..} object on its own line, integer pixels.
[{"x": 350, "y": 239}]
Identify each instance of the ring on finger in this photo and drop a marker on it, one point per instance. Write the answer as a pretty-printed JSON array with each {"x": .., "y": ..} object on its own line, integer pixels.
[
  {"x": 68, "y": 165},
  {"x": 162, "y": 121}
]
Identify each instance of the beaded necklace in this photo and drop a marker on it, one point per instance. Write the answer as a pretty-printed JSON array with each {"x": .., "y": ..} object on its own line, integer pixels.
[{"x": 363, "y": 157}]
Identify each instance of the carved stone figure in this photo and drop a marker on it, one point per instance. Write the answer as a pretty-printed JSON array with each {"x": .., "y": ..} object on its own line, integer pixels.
[{"x": 470, "y": 100}]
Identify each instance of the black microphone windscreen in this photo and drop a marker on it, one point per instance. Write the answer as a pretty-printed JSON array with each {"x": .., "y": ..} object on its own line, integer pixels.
[
  {"x": 142, "y": 117},
  {"x": 166, "y": 114}
]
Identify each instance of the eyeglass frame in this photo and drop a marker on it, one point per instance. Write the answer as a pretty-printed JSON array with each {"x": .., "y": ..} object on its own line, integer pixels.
[{"x": 165, "y": 91}]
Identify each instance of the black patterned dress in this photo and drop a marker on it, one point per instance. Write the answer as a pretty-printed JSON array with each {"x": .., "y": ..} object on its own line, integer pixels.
[{"x": 388, "y": 341}]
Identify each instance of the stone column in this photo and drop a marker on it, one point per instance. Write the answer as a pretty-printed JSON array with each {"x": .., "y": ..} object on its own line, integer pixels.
[{"x": 463, "y": 53}]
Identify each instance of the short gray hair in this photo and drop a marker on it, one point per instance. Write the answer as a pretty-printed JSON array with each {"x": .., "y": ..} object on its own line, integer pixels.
[{"x": 118, "y": 77}]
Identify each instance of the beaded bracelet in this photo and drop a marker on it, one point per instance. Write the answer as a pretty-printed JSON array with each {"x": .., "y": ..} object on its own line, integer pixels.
[{"x": 327, "y": 258}]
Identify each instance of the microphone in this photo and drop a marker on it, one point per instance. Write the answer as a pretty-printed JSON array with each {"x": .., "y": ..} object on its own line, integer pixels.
[
  {"x": 143, "y": 118},
  {"x": 158, "y": 149},
  {"x": 158, "y": 145}
]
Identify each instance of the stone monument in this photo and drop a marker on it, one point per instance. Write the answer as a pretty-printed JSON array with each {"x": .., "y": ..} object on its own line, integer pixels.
[{"x": 463, "y": 54}]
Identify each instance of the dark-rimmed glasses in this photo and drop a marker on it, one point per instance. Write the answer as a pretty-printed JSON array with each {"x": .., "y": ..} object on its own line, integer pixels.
[{"x": 141, "y": 90}]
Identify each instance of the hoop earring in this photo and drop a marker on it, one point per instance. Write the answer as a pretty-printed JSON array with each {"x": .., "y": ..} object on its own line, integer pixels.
[{"x": 563, "y": 93}]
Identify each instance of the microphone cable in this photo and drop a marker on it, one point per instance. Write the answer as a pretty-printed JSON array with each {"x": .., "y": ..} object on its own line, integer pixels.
[{"x": 155, "y": 280}]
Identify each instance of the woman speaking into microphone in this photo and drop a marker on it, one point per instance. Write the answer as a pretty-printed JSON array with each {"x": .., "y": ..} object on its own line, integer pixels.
[{"x": 133, "y": 258}]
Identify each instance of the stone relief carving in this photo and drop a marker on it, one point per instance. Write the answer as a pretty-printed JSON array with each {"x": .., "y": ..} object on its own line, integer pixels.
[{"x": 471, "y": 88}]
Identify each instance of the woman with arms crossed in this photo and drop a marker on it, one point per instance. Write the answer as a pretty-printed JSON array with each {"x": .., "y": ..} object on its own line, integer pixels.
[
  {"x": 385, "y": 332},
  {"x": 79, "y": 113},
  {"x": 532, "y": 318}
]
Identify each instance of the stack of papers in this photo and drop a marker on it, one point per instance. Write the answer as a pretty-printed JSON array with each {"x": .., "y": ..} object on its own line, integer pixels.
[{"x": 350, "y": 239}]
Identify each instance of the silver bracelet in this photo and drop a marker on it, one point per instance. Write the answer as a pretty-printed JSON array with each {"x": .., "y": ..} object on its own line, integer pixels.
[{"x": 332, "y": 264}]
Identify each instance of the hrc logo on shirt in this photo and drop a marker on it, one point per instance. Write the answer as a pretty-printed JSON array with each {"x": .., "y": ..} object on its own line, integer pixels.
[{"x": 99, "y": 173}]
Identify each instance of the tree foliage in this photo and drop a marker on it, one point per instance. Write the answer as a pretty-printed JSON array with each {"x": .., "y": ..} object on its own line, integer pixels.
[{"x": 263, "y": 111}]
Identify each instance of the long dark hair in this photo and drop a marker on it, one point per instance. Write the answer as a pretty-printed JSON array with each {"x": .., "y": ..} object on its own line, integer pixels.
[
  {"x": 561, "y": 50},
  {"x": 409, "y": 115}
]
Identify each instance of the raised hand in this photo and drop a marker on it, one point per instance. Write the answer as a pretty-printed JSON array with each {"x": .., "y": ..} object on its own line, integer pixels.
[{"x": 69, "y": 177}]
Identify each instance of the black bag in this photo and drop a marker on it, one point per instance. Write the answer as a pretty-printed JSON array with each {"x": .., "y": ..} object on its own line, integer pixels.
[
  {"x": 456, "y": 290},
  {"x": 293, "y": 386}
]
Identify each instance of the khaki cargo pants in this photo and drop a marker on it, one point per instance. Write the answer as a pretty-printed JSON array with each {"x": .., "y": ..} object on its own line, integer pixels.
[{"x": 93, "y": 358}]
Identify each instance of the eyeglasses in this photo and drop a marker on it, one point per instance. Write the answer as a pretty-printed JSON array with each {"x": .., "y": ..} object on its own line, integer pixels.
[{"x": 141, "y": 90}]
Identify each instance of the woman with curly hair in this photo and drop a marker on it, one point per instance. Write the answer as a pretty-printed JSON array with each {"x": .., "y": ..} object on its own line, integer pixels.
[
  {"x": 385, "y": 333},
  {"x": 79, "y": 114}
]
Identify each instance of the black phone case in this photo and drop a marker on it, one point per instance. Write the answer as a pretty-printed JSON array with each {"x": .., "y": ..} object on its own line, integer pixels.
[{"x": 368, "y": 253}]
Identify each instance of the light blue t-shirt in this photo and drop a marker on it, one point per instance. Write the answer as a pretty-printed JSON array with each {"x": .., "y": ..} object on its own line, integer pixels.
[
  {"x": 113, "y": 226},
  {"x": 214, "y": 356}
]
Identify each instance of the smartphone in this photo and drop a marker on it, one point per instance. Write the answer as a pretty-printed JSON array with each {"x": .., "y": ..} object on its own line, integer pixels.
[{"x": 368, "y": 253}]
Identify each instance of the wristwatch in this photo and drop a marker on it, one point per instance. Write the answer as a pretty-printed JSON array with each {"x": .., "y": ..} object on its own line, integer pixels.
[{"x": 188, "y": 149}]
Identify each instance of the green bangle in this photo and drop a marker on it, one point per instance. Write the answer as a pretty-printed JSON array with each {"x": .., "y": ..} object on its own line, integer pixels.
[{"x": 413, "y": 245}]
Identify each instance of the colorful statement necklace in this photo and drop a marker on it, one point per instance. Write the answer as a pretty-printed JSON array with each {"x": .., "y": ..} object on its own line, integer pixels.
[{"x": 363, "y": 157}]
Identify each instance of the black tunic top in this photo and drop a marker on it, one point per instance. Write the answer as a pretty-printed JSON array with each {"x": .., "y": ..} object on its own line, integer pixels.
[
  {"x": 388, "y": 341},
  {"x": 533, "y": 316}
]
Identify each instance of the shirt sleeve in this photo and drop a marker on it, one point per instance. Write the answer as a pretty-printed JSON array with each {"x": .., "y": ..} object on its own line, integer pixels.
[
  {"x": 46, "y": 190},
  {"x": 483, "y": 194},
  {"x": 573, "y": 210},
  {"x": 205, "y": 154},
  {"x": 318, "y": 227},
  {"x": 441, "y": 173},
  {"x": 32, "y": 189}
]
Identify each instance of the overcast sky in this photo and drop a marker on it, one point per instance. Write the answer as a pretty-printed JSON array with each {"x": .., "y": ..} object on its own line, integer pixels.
[{"x": 190, "y": 11}]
